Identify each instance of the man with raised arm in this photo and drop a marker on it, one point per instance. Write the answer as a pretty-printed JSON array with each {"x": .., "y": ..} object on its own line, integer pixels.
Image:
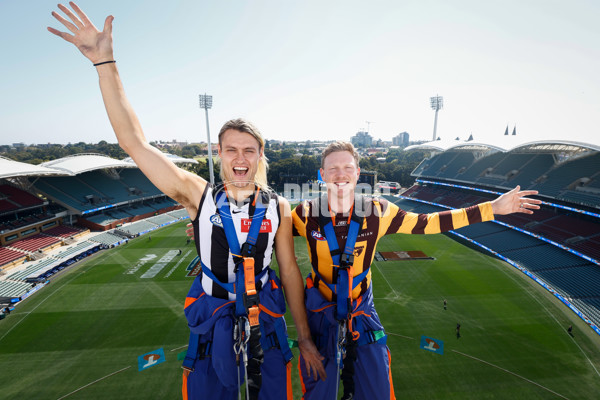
[
  {"x": 235, "y": 308},
  {"x": 342, "y": 231}
]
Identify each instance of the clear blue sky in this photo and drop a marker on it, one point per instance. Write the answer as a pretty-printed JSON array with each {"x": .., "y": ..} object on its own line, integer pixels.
[{"x": 312, "y": 69}]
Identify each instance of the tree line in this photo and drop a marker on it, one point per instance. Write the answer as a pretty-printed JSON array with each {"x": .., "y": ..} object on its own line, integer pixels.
[{"x": 292, "y": 163}]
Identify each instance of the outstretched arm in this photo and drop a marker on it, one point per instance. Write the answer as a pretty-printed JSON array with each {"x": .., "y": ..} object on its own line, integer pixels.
[
  {"x": 97, "y": 46},
  {"x": 396, "y": 220},
  {"x": 291, "y": 279}
]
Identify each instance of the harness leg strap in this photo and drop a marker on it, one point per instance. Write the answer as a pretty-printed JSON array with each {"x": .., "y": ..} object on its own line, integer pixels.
[
  {"x": 254, "y": 363},
  {"x": 348, "y": 370}
]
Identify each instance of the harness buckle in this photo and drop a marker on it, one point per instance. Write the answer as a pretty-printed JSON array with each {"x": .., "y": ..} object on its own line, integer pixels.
[
  {"x": 346, "y": 261},
  {"x": 253, "y": 313},
  {"x": 248, "y": 250}
]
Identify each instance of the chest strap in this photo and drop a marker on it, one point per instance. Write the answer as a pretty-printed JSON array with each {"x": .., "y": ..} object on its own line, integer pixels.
[{"x": 343, "y": 260}]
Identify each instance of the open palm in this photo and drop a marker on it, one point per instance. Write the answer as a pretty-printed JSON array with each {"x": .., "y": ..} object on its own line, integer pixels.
[{"x": 94, "y": 44}]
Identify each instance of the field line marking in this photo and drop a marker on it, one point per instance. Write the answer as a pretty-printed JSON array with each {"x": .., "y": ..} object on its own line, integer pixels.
[
  {"x": 388, "y": 282},
  {"x": 402, "y": 336},
  {"x": 512, "y": 373},
  {"x": 513, "y": 278},
  {"x": 178, "y": 263},
  {"x": 96, "y": 381},
  {"x": 34, "y": 308},
  {"x": 180, "y": 347}
]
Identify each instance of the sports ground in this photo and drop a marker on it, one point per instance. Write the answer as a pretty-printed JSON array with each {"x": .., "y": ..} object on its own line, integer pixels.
[{"x": 80, "y": 337}]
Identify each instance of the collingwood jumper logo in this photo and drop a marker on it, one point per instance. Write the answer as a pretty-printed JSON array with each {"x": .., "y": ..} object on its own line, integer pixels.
[{"x": 216, "y": 220}]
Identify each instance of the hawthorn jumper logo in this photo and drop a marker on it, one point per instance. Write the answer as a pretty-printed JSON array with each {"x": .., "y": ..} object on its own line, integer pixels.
[
  {"x": 358, "y": 251},
  {"x": 317, "y": 235},
  {"x": 151, "y": 359},
  {"x": 216, "y": 220}
]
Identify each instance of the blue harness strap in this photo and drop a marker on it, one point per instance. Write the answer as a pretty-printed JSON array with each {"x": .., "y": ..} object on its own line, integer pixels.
[
  {"x": 192, "y": 352},
  {"x": 247, "y": 250},
  {"x": 343, "y": 260},
  {"x": 277, "y": 339},
  {"x": 230, "y": 287}
]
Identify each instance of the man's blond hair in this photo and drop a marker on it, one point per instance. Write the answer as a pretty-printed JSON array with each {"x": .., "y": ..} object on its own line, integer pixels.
[{"x": 339, "y": 146}]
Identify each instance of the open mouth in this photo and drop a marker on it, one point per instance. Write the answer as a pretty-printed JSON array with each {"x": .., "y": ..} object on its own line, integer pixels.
[
  {"x": 240, "y": 171},
  {"x": 341, "y": 184}
]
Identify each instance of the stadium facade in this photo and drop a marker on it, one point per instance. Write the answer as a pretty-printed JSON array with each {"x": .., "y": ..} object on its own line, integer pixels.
[
  {"x": 559, "y": 245},
  {"x": 48, "y": 211},
  {"x": 53, "y": 206}
]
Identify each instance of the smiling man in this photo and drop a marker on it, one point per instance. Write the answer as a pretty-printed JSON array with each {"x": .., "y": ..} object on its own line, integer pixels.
[
  {"x": 235, "y": 308},
  {"x": 342, "y": 230}
]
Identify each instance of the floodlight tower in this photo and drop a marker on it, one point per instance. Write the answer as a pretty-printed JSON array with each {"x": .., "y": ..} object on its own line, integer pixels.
[
  {"x": 437, "y": 103},
  {"x": 206, "y": 103}
]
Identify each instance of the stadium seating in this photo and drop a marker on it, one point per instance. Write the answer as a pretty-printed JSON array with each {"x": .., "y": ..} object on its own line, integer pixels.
[
  {"x": 13, "y": 289},
  {"x": 8, "y": 255},
  {"x": 6, "y": 205},
  {"x": 162, "y": 219},
  {"x": 549, "y": 223},
  {"x": 35, "y": 242},
  {"x": 138, "y": 227},
  {"x": 179, "y": 214},
  {"x": 567, "y": 173},
  {"x": 106, "y": 238},
  {"x": 20, "y": 197},
  {"x": 31, "y": 268},
  {"x": 133, "y": 177},
  {"x": 478, "y": 168},
  {"x": 63, "y": 231}
]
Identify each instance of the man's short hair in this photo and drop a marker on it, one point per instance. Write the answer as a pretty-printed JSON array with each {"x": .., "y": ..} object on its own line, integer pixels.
[{"x": 339, "y": 146}]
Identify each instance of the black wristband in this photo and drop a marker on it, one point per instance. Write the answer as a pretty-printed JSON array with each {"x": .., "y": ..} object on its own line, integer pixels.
[{"x": 105, "y": 62}]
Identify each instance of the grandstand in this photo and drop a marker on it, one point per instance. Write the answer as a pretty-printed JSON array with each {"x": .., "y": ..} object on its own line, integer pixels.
[
  {"x": 47, "y": 212},
  {"x": 559, "y": 245}
]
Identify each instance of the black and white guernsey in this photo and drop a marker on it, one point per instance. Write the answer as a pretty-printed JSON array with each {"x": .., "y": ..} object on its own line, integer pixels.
[{"x": 211, "y": 242}]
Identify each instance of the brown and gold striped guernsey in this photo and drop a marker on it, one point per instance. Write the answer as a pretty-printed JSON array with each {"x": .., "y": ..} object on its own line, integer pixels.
[{"x": 381, "y": 218}]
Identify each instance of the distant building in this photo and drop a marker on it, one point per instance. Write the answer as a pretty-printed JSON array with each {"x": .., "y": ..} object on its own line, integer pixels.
[
  {"x": 402, "y": 139},
  {"x": 362, "y": 139}
]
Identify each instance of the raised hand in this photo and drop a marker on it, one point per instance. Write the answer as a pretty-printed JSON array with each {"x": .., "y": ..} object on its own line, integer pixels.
[
  {"x": 93, "y": 44},
  {"x": 515, "y": 201}
]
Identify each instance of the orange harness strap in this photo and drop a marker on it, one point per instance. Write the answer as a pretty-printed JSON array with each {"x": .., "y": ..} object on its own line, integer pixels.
[{"x": 253, "y": 311}]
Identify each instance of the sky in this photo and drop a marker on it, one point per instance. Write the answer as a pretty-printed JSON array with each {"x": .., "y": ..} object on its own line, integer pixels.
[{"x": 311, "y": 69}]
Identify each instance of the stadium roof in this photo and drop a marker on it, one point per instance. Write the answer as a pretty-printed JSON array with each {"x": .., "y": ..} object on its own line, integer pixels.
[
  {"x": 80, "y": 163},
  {"x": 507, "y": 143},
  {"x": 176, "y": 159},
  {"x": 72, "y": 165},
  {"x": 10, "y": 168}
]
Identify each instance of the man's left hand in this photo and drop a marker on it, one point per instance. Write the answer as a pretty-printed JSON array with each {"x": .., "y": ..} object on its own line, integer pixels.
[{"x": 515, "y": 201}]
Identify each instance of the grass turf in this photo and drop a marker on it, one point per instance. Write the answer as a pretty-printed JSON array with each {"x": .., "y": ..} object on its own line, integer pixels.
[{"x": 95, "y": 318}]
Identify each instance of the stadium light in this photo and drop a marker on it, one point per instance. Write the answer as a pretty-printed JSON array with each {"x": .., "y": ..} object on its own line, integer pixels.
[
  {"x": 206, "y": 103},
  {"x": 437, "y": 103}
]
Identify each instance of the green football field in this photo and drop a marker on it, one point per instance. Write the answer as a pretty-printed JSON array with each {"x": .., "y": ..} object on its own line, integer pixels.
[{"x": 79, "y": 338}]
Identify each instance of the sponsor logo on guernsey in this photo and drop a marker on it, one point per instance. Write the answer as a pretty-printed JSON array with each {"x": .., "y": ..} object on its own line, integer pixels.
[
  {"x": 216, "y": 220},
  {"x": 264, "y": 228},
  {"x": 317, "y": 235}
]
